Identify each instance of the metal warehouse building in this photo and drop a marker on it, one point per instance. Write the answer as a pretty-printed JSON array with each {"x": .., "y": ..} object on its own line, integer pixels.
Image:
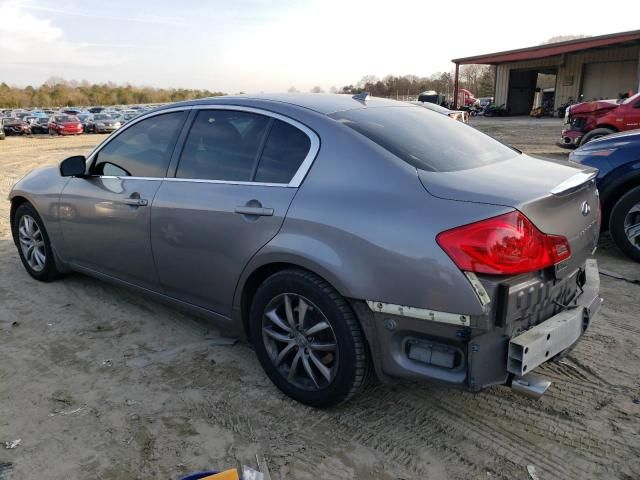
[{"x": 596, "y": 67}]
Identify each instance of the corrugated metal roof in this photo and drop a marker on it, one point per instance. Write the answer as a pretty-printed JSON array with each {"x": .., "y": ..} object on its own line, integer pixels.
[{"x": 551, "y": 49}]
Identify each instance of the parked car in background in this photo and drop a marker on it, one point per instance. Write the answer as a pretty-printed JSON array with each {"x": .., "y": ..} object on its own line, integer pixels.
[
  {"x": 71, "y": 111},
  {"x": 590, "y": 120},
  {"x": 484, "y": 102},
  {"x": 102, "y": 123},
  {"x": 459, "y": 115},
  {"x": 431, "y": 96},
  {"x": 128, "y": 115},
  {"x": 65, "y": 125},
  {"x": 343, "y": 235},
  {"x": 96, "y": 109},
  {"x": 617, "y": 158},
  {"x": 40, "y": 125},
  {"x": 15, "y": 126},
  {"x": 2, "y": 134},
  {"x": 84, "y": 118}
]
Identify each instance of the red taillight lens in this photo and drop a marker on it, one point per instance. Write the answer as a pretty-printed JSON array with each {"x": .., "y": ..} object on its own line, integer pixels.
[{"x": 505, "y": 245}]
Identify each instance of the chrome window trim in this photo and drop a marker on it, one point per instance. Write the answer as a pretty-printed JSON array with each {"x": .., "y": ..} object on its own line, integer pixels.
[
  {"x": 130, "y": 124},
  {"x": 191, "y": 180},
  {"x": 227, "y": 182},
  {"x": 295, "y": 181},
  {"x": 304, "y": 167}
]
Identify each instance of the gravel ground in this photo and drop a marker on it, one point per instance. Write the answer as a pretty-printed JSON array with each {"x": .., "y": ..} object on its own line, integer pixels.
[{"x": 99, "y": 382}]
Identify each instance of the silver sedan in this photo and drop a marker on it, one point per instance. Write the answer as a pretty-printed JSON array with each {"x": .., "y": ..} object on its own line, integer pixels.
[{"x": 343, "y": 236}]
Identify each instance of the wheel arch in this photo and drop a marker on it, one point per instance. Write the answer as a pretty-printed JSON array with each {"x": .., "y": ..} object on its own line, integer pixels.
[
  {"x": 254, "y": 275},
  {"x": 607, "y": 125},
  {"x": 614, "y": 192},
  {"x": 15, "y": 203}
]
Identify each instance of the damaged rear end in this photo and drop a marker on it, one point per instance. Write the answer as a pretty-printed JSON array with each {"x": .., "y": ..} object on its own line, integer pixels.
[{"x": 530, "y": 267}]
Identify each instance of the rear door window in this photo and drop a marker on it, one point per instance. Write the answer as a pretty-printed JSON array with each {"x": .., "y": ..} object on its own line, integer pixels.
[
  {"x": 427, "y": 140},
  {"x": 223, "y": 145},
  {"x": 284, "y": 152}
]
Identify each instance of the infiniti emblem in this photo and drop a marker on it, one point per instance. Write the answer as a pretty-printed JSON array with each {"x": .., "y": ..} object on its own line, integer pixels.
[{"x": 585, "y": 208}]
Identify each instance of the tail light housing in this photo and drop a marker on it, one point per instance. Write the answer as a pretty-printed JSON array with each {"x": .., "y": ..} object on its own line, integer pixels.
[{"x": 508, "y": 244}]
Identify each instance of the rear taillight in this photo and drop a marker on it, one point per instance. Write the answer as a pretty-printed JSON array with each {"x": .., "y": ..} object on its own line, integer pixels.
[{"x": 505, "y": 245}]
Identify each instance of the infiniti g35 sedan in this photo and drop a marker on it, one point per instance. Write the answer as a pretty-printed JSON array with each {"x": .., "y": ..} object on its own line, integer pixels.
[{"x": 343, "y": 236}]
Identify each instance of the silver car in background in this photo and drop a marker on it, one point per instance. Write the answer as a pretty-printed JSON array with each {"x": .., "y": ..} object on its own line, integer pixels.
[{"x": 344, "y": 236}]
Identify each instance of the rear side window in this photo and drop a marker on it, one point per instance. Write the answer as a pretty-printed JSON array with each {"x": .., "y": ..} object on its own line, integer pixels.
[
  {"x": 223, "y": 145},
  {"x": 425, "y": 139},
  {"x": 142, "y": 150},
  {"x": 284, "y": 151}
]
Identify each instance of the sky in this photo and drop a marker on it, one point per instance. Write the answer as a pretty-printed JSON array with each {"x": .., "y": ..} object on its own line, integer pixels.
[{"x": 269, "y": 46}]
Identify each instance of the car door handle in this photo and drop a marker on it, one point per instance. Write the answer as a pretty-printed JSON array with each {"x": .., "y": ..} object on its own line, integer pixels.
[
  {"x": 136, "y": 202},
  {"x": 255, "y": 211}
]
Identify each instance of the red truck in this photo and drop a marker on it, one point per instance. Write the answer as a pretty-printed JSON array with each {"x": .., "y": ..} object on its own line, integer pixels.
[{"x": 589, "y": 120}]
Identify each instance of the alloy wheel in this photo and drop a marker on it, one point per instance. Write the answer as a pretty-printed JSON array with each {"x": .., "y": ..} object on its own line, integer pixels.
[
  {"x": 32, "y": 243},
  {"x": 300, "y": 341},
  {"x": 632, "y": 225}
]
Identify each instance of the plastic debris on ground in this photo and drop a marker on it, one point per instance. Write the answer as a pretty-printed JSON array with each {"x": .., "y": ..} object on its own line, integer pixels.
[{"x": 12, "y": 444}]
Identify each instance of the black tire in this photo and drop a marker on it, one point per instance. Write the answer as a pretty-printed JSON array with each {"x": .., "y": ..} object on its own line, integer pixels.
[
  {"x": 352, "y": 359},
  {"x": 49, "y": 271},
  {"x": 596, "y": 133},
  {"x": 617, "y": 218}
]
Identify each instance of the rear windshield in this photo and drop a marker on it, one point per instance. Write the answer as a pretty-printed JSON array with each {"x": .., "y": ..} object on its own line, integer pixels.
[{"x": 425, "y": 139}]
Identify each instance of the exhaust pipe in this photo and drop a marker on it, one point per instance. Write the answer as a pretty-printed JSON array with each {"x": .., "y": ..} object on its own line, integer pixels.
[{"x": 533, "y": 386}]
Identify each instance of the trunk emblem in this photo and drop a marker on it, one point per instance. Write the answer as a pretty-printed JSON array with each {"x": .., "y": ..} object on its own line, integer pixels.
[{"x": 585, "y": 208}]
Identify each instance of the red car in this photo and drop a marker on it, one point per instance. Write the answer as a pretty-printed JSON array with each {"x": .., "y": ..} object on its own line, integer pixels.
[
  {"x": 65, "y": 125},
  {"x": 590, "y": 120}
]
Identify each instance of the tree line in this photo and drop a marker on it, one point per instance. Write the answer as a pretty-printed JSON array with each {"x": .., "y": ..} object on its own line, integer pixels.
[
  {"x": 57, "y": 92},
  {"x": 479, "y": 79}
]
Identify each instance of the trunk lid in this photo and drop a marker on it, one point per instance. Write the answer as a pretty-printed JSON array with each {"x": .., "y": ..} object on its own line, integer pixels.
[{"x": 559, "y": 199}]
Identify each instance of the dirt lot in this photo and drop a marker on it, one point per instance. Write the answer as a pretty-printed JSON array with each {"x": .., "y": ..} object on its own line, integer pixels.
[{"x": 99, "y": 382}]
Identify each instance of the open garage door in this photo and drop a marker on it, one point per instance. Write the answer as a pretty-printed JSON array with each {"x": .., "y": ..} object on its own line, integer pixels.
[
  {"x": 608, "y": 79},
  {"x": 522, "y": 87}
]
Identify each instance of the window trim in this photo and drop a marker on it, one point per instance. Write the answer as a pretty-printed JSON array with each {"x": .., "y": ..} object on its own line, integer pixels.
[
  {"x": 297, "y": 178},
  {"x": 110, "y": 138},
  {"x": 295, "y": 181}
]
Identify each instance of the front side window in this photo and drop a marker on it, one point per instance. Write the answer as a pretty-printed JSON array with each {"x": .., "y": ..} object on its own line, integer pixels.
[
  {"x": 223, "y": 145},
  {"x": 284, "y": 151},
  {"x": 142, "y": 150}
]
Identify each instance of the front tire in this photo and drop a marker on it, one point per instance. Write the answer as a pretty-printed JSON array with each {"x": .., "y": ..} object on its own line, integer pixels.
[
  {"x": 308, "y": 340},
  {"x": 596, "y": 133},
  {"x": 33, "y": 244},
  {"x": 624, "y": 224}
]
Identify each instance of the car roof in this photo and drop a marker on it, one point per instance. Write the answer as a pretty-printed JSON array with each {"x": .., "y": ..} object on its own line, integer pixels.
[{"x": 318, "y": 102}]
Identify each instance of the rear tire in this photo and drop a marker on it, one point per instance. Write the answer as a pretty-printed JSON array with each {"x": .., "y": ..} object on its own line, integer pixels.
[
  {"x": 34, "y": 246},
  {"x": 332, "y": 362},
  {"x": 596, "y": 133},
  {"x": 624, "y": 224}
]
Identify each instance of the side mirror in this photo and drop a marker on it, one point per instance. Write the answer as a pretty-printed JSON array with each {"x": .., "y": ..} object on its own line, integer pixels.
[{"x": 73, "y": 166}]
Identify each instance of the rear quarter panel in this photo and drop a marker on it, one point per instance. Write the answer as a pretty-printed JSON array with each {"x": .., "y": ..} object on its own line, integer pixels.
[{"x": 363, "y": 221}]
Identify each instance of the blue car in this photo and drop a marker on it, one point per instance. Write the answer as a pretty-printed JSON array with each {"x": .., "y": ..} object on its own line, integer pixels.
[{"x": 617, "y": 157}]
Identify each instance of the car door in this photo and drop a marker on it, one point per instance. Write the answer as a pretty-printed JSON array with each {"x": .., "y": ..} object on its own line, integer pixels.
[
  {"x": 237, "y": 174},
  {"x": 632, "y": 115},
  {"x": 105, "y": 217}
]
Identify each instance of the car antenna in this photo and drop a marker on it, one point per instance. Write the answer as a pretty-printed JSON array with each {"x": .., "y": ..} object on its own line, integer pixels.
[{"x": 361, "y": 97}]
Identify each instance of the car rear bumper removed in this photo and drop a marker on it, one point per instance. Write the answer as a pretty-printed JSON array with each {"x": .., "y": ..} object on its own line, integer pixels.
[
  {"x": 560, "y": 332},
  {"x": 405, "y": 344}
]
